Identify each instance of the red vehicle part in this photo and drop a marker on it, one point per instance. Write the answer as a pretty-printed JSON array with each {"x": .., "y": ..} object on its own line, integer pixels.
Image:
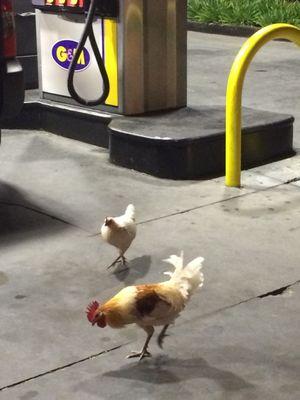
[
  {"x": 8, "y": 27},
  {"x": 11, "y": 73}
]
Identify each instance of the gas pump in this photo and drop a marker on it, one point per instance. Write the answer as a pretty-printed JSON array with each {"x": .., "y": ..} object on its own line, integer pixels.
[{"x": 121, "y": 56}]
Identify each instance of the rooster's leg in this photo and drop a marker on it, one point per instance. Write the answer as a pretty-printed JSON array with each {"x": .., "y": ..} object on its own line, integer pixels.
[
  {"x": 114, "y": 262},
  {"x": 144, "y": 352},
  {"x": 162, "y": 335}
]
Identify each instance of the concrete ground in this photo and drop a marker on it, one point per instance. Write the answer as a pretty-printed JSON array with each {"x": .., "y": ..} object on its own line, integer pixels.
[{"x": 239, "y": 336}]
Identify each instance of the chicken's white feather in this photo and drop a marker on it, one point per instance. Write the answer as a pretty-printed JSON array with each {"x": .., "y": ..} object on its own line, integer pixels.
[
  {"x": 130, "y": 212},
  {"x": 187, "y": 279}
]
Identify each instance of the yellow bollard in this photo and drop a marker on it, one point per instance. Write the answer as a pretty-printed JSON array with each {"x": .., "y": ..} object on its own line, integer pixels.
[{"x": 234, "y": 93}]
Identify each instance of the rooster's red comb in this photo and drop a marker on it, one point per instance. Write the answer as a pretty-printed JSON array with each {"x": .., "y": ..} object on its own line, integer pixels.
[{"x": 91, "y": 309}]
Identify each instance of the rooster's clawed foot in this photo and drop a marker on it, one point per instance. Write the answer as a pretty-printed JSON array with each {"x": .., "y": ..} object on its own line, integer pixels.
[{"x": 140, "y": 354}]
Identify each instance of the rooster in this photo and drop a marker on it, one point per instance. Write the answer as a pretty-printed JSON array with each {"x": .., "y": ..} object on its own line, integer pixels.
[
  {"x": 150, "y": 305},
  {"x": 120, "y": 232}
]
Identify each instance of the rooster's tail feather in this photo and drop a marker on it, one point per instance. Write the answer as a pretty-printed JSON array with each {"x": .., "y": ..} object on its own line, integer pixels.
[{"x": 187, "y": 278}]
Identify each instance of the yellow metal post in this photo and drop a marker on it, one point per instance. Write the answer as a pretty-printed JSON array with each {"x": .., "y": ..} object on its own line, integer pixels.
[
  {"x": 234, "y": 93},
  {"x": 111, "y": 59}
]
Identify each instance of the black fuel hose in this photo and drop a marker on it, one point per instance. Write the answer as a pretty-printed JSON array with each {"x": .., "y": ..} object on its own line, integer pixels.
[{"x": 88, "y": 33}]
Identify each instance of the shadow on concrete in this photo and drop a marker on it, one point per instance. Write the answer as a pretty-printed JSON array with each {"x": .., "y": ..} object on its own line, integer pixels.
[
  {"x": 21, "y": 219},
  {"x": 137, "y": 268},
  {"x": 163, "y": 369}
]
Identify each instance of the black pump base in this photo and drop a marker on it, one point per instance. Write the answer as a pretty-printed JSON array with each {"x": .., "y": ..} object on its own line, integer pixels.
[{"x": 188, "y": 143}]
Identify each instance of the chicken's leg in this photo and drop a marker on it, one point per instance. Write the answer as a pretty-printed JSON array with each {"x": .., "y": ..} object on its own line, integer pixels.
[
  {"x": 124, "y": 261},
  {"x": 115, "y": 262},
  {"x": 144, "y": 352},
  {"x": 162, "y": 335},
  {"x": 121, "y": 259}
]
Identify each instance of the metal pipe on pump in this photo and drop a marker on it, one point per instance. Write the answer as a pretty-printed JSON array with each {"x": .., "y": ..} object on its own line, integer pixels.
[{"x": 88, "y": 32}]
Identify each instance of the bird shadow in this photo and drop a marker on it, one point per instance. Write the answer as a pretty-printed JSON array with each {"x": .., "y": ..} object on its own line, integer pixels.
[
  {"x": 166, "y": 370},
  {"x": 137, "y": 268}
]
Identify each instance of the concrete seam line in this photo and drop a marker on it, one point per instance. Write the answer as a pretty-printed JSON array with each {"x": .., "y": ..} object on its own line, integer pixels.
[
  {"x": 213, "y": 203},
  {"x": 61, "y": 367},
  {"x": 261, "y": 296},
  {"x": 279, "y": 291},
  {"x": 293, "y": 180}
]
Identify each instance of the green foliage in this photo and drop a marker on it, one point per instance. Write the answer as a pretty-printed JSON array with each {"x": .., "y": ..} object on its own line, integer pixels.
[{"x": 245, "y": 12}]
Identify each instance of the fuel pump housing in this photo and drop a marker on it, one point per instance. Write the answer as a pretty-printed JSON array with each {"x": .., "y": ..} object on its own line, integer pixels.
[{"x": 142, "y": 43}]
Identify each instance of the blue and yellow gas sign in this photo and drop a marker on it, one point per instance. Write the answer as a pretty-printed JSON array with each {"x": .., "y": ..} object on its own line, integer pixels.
[{"x": 63, "y": 52}]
